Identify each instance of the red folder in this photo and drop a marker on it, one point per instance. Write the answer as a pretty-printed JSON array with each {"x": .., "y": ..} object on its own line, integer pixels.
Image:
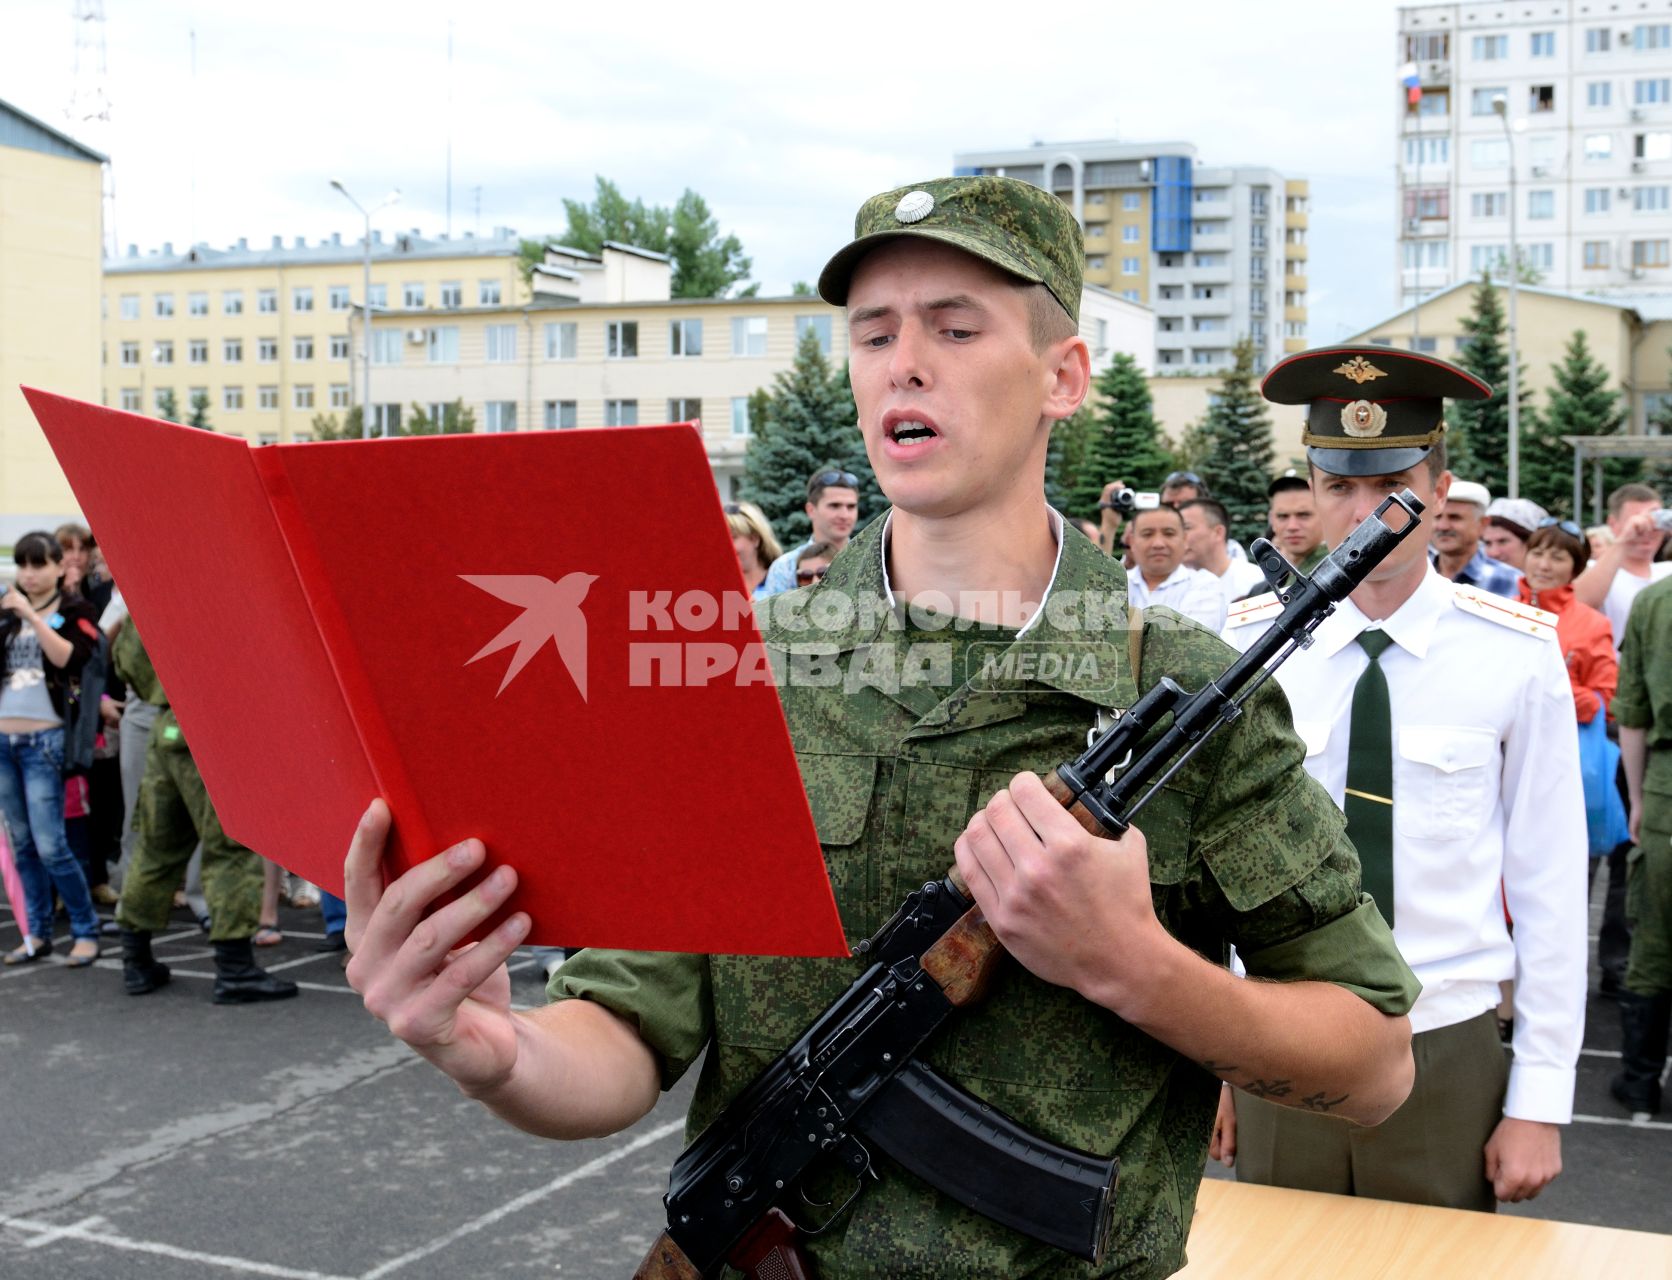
[{"x": 536, "y": 639}]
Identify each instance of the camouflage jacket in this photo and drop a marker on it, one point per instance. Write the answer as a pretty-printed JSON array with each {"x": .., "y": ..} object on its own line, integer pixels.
[{"x": 1244, "y": 849}]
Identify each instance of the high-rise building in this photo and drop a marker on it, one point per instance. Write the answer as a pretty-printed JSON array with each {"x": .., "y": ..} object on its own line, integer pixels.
[
  {"x": 1219, "y": 253},
  {"x": 1557, "y": 113}
]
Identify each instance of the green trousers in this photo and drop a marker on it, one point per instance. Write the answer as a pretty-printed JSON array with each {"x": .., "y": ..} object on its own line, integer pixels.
[
  {"x": 174, "y": 814},
  {"x": 1430, "y": 1151},
  {"x": 1649, "y": 900}
]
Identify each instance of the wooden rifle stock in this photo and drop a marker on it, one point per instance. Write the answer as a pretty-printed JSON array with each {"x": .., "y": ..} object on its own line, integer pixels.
[{"x": 666, "y": 1261}]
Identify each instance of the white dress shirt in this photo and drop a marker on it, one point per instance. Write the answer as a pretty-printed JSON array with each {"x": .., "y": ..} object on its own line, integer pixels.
[
  {"x": 1195, "y": 593},
  {"x": 1487, "y": 808},
  {"x": 1239, "y": 579},
  {"x": 1616, "y": 605}
]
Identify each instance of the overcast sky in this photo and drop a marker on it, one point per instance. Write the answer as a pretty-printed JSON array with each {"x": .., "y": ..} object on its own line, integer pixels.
[{"x": 783, "y": 123}]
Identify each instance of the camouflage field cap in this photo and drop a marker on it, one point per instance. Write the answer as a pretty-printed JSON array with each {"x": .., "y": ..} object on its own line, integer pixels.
[
  {"x": 1010, "y": 223},
  {"x": 1371, "y": 411}
]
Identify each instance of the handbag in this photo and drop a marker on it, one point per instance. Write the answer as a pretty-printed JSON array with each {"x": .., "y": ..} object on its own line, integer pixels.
[{"x": 1605, "y": 813}]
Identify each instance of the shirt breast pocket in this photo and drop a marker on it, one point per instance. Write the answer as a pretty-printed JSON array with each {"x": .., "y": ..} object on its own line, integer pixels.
[{"x": 1442, "y": 775}]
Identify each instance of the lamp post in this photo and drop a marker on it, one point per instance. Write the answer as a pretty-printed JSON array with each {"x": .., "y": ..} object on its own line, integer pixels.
[
  {"x": 366, "y": 310},
  {"x": 1501, "y": 106}
]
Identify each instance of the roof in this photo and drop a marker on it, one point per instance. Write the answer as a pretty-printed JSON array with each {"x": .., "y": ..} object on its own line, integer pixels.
[
  {"x": 21, "y": 130},
  {"x": 1619, "y": 304},
  {"x": 405, "y": 246}
]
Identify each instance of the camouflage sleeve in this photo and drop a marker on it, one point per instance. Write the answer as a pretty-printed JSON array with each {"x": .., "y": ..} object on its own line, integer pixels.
[
  {"x": 1631, "y": 706},
  {"x": 664, "y": 995}
]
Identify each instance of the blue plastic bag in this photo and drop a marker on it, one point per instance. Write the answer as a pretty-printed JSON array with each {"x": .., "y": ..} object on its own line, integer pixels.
[{"x": 1605, "y": 812}]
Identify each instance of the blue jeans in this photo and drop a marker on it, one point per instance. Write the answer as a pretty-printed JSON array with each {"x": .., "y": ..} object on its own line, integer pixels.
[
  {"x": 32, "y": 805},
  {"x": 334, "y": 910}
]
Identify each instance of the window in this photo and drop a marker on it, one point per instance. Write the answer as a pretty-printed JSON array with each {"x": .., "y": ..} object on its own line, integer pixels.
[
  {"x": 1599, "y": 146},
  {"x": 1131, "y": 295},
  {"x": 1541, "y": 98},
  {"x": 232, "y": 399},
  {"x": 386, "y": 418},
  {"x": 1096, "y": 262},
  {"x": 130, "y": 353},
  {"x": 266, "y": 397},
  {"x": 684, "y": 409},
  {"x": 1130, "y": 266},
  {"x": 412, "y": 295},
  {"x": 1418, "y": 254},
  {"x": 1649, "y": 253},
  {"x": 1651, "y": 35},
  {"x": 267, "y": 437},
  {"x": 162, "y": 353},
  {"x": 1131, "y": 234},
  {"x": 1205, "y": 357},
  {"x": 380, "y": 296},
  {"x": 1489, "y": 153},
  {"x": 436, "y": 411},
  {"x": 684, "y": 337},
  {"x": 301, "y": 395},
  {"x": 1428, "y": 202},
  {"x": 1541, "y": 204},
  {"x": 1597, "y": 39},
  {"x": 1596, "y": 255},
  {"x": 386, "y": 346},
  {"x": 1543, "y": 44},
  {"x": 1541, "y": 150},
  {"x": 817, "y": 324},
  {"x": 560, "y": 340},
  {"x": 267, "y": 350},
  {"x": 1095, "y": 197},
  {"x": 1489, "y": 48},
  {"x": 301, "y": 348},
  {"x": 1131, "y": 200},
  {"x": 130, "y": 399},
  {"x": 452, "y": 294},
  {"x": 197, "y": 304},
  {"x": 1486, "y": 257},
  {"x": 130, "y": 306},
  {"x": 1428, "y": 47},
  {"x": 1651, "y": 93},
  {"x": 748, "y": 336},
  {"x": 1489, "y": 204},
  {"x": 1598, "y": 199},
  {"x": 1424, "y": 151},
  {"x": 501, "y": 415},
  {"x": 267, "y": 301},
  {"x": 621, "y": 339},
  {"x": 500, "y": 343},
  {"x": 339, "y": 395},
  {"x": 441, "y": 344},
  {"x": 1434, "y": 103},
  {"x": 338, "y": 298},
  {"x": 1541, "y": 256},
  {"x": 301, "y": 298},
  {"x": 560, "y": 415},
  {"x": 1208, "y": 324},
  {"x": 1650, "y": 200},
  {"x": 197, "y": 351},
  {"x": 162, "y": 305},
  {"x": 1599, "y": 93},
  {"x": 487, "y": 293},
  {"x": 740, "y": 416},
  {"x": 338, "y": 348},
  {"x": 621, "y": 413},
  {"x": 1481, "y": 100},
  {"x": 1200, "y": 291},
  {"x": 1652, "y": 146},
  {"x": 197, "y": 397}
]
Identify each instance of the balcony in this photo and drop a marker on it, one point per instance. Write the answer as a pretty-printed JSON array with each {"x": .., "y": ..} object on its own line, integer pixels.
[
  {"x": 1294, "y": 315},
  {"x": 1295, "y": 252},
  {"x": 1294, "y": 282},
  {"x": 1297, "y": 220}
]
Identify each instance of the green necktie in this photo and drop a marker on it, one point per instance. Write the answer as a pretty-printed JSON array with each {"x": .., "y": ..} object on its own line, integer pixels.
[{"x": 1369, "y": 800}]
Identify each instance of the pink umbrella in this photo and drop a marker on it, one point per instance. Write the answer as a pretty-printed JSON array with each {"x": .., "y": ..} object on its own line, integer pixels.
[{"x": 14, "y": 886}]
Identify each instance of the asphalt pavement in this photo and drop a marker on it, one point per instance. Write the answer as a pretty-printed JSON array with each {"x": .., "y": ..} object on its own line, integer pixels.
[{"x": 164, "y": 1136}]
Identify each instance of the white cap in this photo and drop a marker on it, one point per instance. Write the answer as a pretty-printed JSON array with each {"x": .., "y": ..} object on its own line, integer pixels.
[
  {"x": 1521, "y": 513},
  {"x": 1469, "y": 491}
]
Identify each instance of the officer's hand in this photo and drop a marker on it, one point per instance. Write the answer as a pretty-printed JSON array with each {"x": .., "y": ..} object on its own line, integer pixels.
[
  {"x": 1223, "y": 1146},
  {"x": 1073, "y": 908},
  {"x": 1522, "y": 1158},
  {"x": 451, "y": 1003}
]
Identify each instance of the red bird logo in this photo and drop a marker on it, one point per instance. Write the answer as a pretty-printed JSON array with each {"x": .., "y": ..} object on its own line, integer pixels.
[{"x": 550, "y": 611}]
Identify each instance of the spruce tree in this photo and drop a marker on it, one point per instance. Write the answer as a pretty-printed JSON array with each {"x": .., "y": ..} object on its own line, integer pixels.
[
  {"x": 1064, "y": 458},
  {"x": 199, "y": 415},
  {"x": 1581, "y": 404},
  {"x": 1478, "y": 439},
  {"x": 1124, "y": 441},
  {"x": 1240, "y": 454},
  {"x": 168, "y": 406}
]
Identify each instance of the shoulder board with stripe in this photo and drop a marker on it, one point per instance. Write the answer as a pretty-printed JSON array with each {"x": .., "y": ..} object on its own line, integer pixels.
[
  {"x": 1506, "y": 613},
  {"x": 1255, "y": 609}
]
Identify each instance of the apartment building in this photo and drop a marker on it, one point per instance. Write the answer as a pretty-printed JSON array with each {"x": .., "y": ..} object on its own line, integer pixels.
[
  {"x": 1580, "y": 154},
  {"x": 1218, "y": 253},
  {"x": 50, "y": 247}
]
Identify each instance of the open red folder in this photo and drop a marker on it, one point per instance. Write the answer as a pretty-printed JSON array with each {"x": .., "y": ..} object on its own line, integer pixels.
[{"x": 525, "y": 638}]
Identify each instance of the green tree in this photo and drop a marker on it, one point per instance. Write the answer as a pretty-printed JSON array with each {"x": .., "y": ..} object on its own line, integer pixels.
[
  {"x": 705, "y": 263},
  {"x": 530, "y": 254},
  {"x": 327, "y": 426},
  {"x": 804, "y": 424},
  {"x": 1191, "y": 451},
  {"x": 199, "y": 415},
  {"x": 1124, "y": 442},
  {"x": 801, "y": 289},
  {"x": 1478, "y": 447},
  {"x": 1065, "y": 458},
  {"x": 456, "y": 419},
  {"x": 1240, "y": 450},
  {"x": 1581, "y": 404},
  {"x": 168, "y": 407}
]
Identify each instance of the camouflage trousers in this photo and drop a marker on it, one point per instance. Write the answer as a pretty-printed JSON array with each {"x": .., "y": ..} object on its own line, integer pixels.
[
  {"x": 174, "y": 814},
  {"x": 1649, "y": 900}
]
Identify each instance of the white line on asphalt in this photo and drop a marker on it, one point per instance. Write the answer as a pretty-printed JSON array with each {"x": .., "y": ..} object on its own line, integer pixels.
[
  {"x": 1640, "y": 1121},
  {"x": 586, "y": 1170},
  {"x": 83, "y": 1231}
]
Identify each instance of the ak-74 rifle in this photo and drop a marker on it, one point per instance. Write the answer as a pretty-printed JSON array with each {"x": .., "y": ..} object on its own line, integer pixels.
[{"x": 853, "y": 1077}]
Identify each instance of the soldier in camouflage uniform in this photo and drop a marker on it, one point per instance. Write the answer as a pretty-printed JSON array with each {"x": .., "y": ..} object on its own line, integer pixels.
[
  {"x": 1643, "y": 708},
  {"x": 920, "y": 740},
  {"x": 174, "y": 813}
]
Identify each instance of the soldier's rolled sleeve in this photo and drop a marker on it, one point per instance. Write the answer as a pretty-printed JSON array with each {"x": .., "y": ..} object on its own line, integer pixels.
[{"x": 663, "y": 995}]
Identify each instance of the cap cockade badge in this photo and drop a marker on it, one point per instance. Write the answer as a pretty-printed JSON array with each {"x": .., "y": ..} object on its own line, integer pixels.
[
  {"x": 1359, "y": 370},
  {"x": 1363, "y": 419},
  {"x": 914, "y": 206}
]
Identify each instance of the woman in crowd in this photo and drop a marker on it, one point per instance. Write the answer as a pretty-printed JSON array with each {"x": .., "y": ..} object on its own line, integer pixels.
[
  {"x": 1509, "y": 523},
  {"x": 46, "y": 638},
  {"x": 84, "y": 567},
  {"x": 1556, "y": 554},
  {"x": 752, "y": 539}
]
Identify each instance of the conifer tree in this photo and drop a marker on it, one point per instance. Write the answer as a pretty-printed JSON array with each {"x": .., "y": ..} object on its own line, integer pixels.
[
  {"x": 1478, "y": 438},
  {"x": 199, "y": 415},
  {"x": 1240, "y": 454},
  {"x": 168, "y": 406},
  {"x": 1064, "y": 457},
  {"x": 1124, "y": 439},
  {"x": 1581, "y": 404}
]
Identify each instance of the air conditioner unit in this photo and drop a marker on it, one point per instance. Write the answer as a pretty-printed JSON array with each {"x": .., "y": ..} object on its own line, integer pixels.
[
  {"x": 1539, "y": 171},
  {"x": 1637, "y": 166},
  {"x": 1413, "y": 225},
  {"x": 1636, "y": 114},
  {"x": 1625, "y": 39},
  {"x": 415, "y": 336},
  {"x": 1435, "y": 71},
  {"x": 1624, "y": 193}
]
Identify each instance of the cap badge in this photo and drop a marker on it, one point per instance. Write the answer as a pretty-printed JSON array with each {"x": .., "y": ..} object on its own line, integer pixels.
[
  {"x": 1363, "y": 419},
  {"x": 914, "y": 206},
  {"x": 1360, "y": 370}
]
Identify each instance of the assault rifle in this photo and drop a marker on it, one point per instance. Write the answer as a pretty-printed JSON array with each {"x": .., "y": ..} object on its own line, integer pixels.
[{"x": 853, "y": 1077}]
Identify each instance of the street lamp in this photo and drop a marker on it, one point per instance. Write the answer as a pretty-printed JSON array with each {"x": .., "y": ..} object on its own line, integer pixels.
[
  {"x": 366, "y": 312},
  {"x": 1500, "y": 105}
]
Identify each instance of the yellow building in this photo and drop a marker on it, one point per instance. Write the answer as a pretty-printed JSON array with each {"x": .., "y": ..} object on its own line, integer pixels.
[{"x": 51, "y": 189}]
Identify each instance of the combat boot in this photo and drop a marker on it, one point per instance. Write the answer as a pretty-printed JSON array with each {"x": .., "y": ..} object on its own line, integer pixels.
[
  {"x": 1643, "y": 1033},
  {"x": 240, "y": 980},
  {"x": 142, "y": 972}
]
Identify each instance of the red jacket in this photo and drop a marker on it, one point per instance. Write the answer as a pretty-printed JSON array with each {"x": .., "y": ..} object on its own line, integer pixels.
[{"x": 1587, "y": 643}]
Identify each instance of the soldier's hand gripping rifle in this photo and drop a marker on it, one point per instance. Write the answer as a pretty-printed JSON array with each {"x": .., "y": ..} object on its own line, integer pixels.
[{"x": 853, "y": 1074}]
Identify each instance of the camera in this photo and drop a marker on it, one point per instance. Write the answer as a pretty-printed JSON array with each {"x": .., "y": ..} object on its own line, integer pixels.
[{"x": 1126, "y": 501}]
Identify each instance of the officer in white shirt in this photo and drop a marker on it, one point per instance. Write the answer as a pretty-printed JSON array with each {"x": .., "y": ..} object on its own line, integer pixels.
[
  {"x": 1439, "y": 716},
  {"x": 1160, "y": 576}
]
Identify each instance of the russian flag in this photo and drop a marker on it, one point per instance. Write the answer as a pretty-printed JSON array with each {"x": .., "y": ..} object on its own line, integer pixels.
[{"x": 1413, "y": 84}]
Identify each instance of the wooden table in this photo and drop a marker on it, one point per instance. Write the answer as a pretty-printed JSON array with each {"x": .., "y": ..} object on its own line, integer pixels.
[{"x": 1245, "y": 1232}]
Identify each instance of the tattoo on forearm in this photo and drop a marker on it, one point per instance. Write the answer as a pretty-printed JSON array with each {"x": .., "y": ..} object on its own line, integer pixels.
[
  {"x": 1268, "y": 1088},
  {"x": 1275, "y": 1089},
  {"x": 1318, "y": 1102}
]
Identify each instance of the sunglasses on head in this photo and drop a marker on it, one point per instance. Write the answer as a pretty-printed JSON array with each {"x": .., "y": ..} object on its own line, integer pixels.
[
  {"x": 1182, "y": 477},
  {"x": 845, "y": 479},
  {"x": 732, "y": 509},
  {"x": 1566, "y": 526}
]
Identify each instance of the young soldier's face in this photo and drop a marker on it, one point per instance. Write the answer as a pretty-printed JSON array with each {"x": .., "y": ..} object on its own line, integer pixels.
[
  {"x": 1344, "y": 502},
  {"x": 955, "y": 404},
  {"x": 1294, "y": 522}
]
